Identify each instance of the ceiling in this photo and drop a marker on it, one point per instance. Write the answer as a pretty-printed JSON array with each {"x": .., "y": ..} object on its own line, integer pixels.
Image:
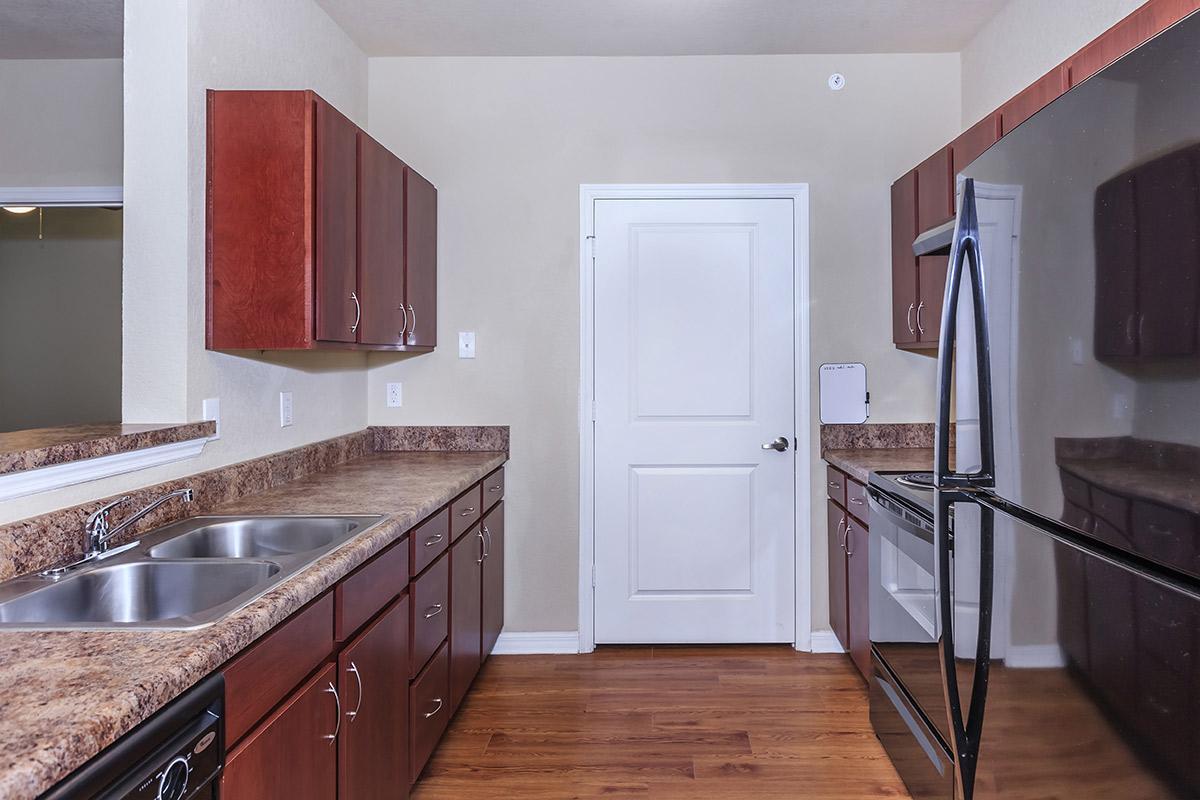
[
  {"x": 658, "y": 27},
  {"x": 61, "y": 28}
]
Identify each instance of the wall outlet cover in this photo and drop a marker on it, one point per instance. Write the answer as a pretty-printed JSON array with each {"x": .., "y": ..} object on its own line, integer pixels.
[
  {"x": 466, "y": 344},
  {"x": 395, "y": 395},
  {"x": 285, "y": 409}
]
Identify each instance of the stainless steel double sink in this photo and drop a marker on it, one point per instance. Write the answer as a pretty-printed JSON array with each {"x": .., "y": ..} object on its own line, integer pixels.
[{"x": 186, "y": 575}]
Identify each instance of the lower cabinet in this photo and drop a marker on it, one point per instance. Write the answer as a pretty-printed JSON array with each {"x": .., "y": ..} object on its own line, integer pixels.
[
  {"x": 850, "y": 573},
  {"x": 429, "y": 698},
  {"x": 294, "y": 753},
  {"x": 466, "y": 609},
  {"x": 493, "y": 577}
]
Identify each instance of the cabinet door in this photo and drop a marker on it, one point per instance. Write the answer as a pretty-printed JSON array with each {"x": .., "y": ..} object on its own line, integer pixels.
[
  {"x": 1116, "y": 269},
  {"x": 375, "y": 709},
  {"x": 380, "y": 243},
  {"x": 336, "y": 221},
  {"x": 420, "y": 258},
  {"x": 971, "y": 144},
  {"x": 935, "y": 192},
  {"x": 1033, "y": 98},
  {"x": 858, "y": 590},
  {"x": 290, "y": 756},
  {"x": 466, "y": 621},
  {"x": 1127, "y": 34},
  {"x": 839, "y": 617},
  {"x": 904, "y": 263},
  {"x": 493, "y": 578},
  {"x": 931, "y": 271}
]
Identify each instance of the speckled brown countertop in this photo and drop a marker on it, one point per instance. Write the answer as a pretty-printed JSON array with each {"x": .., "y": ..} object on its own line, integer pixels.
[
  {"x": 859, "y": 464},
  {"x": 43, "y": 447},
  {"x": 68, "y": 695}
]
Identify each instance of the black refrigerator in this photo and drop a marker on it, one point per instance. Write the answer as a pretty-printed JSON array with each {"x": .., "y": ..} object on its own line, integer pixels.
[{"x": 1067, "y": 533}]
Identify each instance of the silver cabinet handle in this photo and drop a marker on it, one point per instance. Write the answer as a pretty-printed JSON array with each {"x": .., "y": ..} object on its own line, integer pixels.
[
  {"x": 920, "y": 327},
  {"x": 494, "y": 489},
  {"x": 482, "y": 547},
  {"x": 466, "y": 512},
  {"x": 412, "y": 329},
  {"x": 834, "y": 485},
  {"x": 433, "y": 611},
  {"x": 331, "y": 689},
  {"x": 841, "y": 535},
  {"x": 779, "y": 445},
  {"x": 849, "y": 548},
  {"x": 357, "y": 312},
  {"x": 487, "y": 553},
  {"x": 437, "y": 700},
  {"x": 358, "y": 677},
  {"x": 403, "y": 327},
  {"x": 856, "y": 501},
  {"x": 432, "y": 540},
  {"x": 909, "y": 317}
]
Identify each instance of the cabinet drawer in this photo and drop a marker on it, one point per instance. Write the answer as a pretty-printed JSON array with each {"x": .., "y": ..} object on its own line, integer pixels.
[
  {"x": 259, "y": 678},
  {"x": 428, "y": 540},
  {"x": 856, "y": 500},
  {"x": 835, "y": 485},
  {"x": 429, "y": 699},
  {"x": 372, "y": 586},
  {"x": 465, "y": 511},
  {"x": 430, "y": 611},
  {"x": 493, "y": 489}
]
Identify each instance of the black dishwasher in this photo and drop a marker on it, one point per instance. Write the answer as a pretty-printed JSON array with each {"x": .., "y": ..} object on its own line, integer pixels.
[{"x": 177, "y": 754}]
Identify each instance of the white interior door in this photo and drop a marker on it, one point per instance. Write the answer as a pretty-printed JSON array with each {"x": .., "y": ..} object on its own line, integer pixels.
[{"x": 694, "y": 373}]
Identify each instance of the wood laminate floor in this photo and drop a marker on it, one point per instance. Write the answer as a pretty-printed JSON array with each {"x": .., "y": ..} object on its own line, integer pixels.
[{"x": 701, "y": 723}]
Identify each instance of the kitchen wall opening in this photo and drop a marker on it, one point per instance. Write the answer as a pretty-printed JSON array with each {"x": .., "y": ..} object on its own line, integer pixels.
[{"x": 60, "y": 316}]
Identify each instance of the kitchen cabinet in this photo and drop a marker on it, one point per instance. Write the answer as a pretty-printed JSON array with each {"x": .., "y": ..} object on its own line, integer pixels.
[
  {"x": 430, "y": 613},
  {"x": 839, "y": 609},
  {"x": 858, "y": 594},
  {"x": 1033, "y": 99},
  {"x": 935, "y": 190},
  {"x": 374, "y": 710},
  {"x": 972, "y": 143},
  {"x": 1127, "y": 34},
  {"x": 493, "y": 578},
  {"x": 466, "y": 613},
  {"x": 381, "y": 227},
  {"x": 293, "y": 754},
  {"x": 904, "y": 263},
  {"x": 931, "y": 286},
  {"x": 429, "y": 704},
  {"x": 317, "y": 236}
]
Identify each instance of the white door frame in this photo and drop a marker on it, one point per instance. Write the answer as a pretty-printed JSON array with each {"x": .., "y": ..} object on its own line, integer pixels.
[{"x": 588, "y": 195}]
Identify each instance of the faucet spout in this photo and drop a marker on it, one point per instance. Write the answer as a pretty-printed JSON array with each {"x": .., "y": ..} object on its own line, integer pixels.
[{"x": 99, "y": 531}]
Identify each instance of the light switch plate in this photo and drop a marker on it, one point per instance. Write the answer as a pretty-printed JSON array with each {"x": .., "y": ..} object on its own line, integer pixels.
[
  {"x": 210, "y": 411},
  {"x": 285, "y": 409},
  {"x": 466, "y": 344},
  {"x": 395, "y": 395}
]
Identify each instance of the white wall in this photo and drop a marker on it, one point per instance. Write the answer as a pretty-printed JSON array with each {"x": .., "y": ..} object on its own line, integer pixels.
[
  {"x": 60, "y": 122},
  {"x": 1024, "y": 41},
  {"x": 509, "y": 141}
]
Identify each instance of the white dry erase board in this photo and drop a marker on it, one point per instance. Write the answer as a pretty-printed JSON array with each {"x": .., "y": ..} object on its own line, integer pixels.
[{"x": 844, "y": 396}]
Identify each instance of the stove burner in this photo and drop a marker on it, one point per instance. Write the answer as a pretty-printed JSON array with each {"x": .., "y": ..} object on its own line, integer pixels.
[{"x": 917, "y": 480}]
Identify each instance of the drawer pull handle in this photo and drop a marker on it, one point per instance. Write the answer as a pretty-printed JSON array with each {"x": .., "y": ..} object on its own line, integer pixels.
[
  {"x": 834, "y": 485},
  {"x": 437, "y": 700},
  {"x": 433, "y": 611},
  {"x": 857, "y": 501},
  {"x": 466, "y": 512},
  {"x": 353, "y": 669},
  {"x": 494, "y": 489},
  {"x": 432, "y": 540},
  {"x": 332, "y": 737},
  {"x": 482, "y": 547}
]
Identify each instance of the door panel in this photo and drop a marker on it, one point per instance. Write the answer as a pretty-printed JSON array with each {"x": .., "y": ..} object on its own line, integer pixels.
[
  {"x": 493, "y": 578},
  {"x": 932, "y": 282},
  {"x": 694, "y": 531},
  {"x": 466, "y": 602},
  {"x": 420, "y": 258},
  {"x": 381, "y": 243},
  {"x": 904, "y": 263},
  {"x": 337, "y": 228},
  {"x": 839, "y": 607},
  {"x": 858, "y": 593}
]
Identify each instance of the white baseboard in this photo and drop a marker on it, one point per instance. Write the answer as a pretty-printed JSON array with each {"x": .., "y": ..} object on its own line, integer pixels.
[
  {"x": 825, "y": 642},
  {"x": 521, "y": 643},
  {"x": 1035, "y": 656}
]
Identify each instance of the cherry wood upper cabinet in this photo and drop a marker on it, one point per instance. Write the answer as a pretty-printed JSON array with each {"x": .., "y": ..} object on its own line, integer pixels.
[
  {"x": 1152, "y": 18},
  {"x": 381, "y": 227},
  {"x": 339, "y": 310},
  {"x": 493, "y": 578},
  {"x": 904, "y": 263},
  {"x": 931, "y": 280},
  {"x": 935, "y": 190},
  {"x": 1033, "y": 98},
  {"x": 420, "y": 257},
  {"x": 972, "y": 142},
  {"x": 298, "y": 196}
]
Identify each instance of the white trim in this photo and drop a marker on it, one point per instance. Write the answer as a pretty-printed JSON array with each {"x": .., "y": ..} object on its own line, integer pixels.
[
  {"x": 62, "y": 195},
  {"x": 825, "y": 642},
  {"x": 523, "y": 643},
  {"x": 798, "y": 193},
  {"x": 58, "y": 476},
  {"x": 1035, "y": 656}
]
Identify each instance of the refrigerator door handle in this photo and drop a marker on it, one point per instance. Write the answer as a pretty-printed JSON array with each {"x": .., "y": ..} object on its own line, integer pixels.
[{"x": 964, "y": 254}]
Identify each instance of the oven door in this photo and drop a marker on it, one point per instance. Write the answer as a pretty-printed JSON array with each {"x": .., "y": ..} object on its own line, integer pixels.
[{"x": 904, "y": 622}]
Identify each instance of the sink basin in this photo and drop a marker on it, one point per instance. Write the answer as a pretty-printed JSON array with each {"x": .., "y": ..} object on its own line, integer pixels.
[
  {"x": 258, "y": 537},
  {"x": 138, "y": 592}
]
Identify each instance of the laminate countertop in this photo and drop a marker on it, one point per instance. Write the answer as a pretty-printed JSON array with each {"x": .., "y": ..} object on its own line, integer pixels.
[
  {"x": 69, "y": 694},
  {"x": 859, "y": 463}
]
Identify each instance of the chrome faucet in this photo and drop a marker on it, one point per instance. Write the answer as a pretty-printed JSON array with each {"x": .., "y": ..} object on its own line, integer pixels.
[{"x": 97, "y": 527}]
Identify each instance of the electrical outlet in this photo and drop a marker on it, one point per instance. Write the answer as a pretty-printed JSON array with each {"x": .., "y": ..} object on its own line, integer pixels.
[
  {"x": 466, "y": 344},
  {"x": 285, "y": 409},
  {"x": 395, "y": 395},
  {"x": 210, "y": 410}
]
